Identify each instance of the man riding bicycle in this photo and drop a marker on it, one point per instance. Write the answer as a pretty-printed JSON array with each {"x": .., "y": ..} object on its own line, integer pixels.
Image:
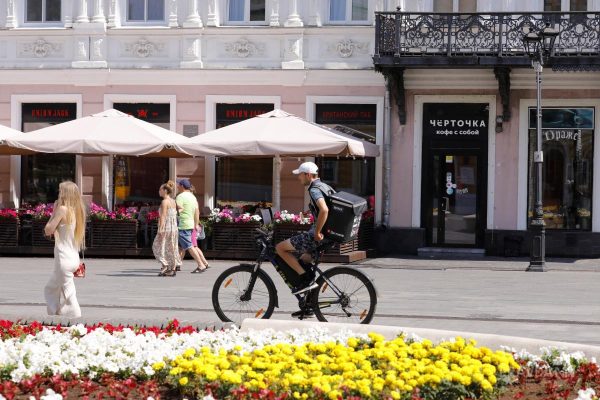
[{"x": 307, "y": 242}]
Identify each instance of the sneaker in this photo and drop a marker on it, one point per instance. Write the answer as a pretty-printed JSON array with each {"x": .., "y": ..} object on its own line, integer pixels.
[
  {"x": 306, "y": 286},
  {"x": 302, "y": 314}
]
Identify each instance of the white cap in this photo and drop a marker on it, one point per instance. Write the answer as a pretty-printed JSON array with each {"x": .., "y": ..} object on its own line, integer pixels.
[{"x": 306, "y": 168}]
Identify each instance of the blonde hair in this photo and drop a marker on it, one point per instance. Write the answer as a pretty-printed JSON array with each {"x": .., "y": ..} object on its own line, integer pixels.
[
  {"x": 69, "y": 196},
  {"x": 169, "y": 187}
]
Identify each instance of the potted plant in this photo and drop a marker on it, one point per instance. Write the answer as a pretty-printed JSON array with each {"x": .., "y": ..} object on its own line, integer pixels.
[
  {"x": 40, "y": 215},
  {"x": 113, "y": 229},
  {"x": 286, "y": 224},
  {"x": 152, "y": 225},
  {"x": 233, "y": 236},
  {"x": 9, "y": 227}
]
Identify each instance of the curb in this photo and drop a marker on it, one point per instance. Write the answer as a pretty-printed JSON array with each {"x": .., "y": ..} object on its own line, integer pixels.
[{"x": 389, "y": 332}]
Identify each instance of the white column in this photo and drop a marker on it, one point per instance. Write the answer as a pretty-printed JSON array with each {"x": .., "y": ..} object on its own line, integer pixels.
[
  {"x": 294, "y": 19},
  {"x": 112, "y": 10},
  {"x": 315, "y": 14},
  {"x": 11, "y": 17},
  {"x": 173, "y": 20},
  {"x": 98, "y": 12},
  {"x": 68, "y": 18},
  {"x": 82, "y": 16},
  {"x": 274, "y": 19},
  {"x": 193, "y": 19},
  {"x": 213, "y": 13},
  {"x": 209, "y": 181}
]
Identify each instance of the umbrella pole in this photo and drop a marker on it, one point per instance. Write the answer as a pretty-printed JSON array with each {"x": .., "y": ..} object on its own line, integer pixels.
[{"x": 277, "y": 183}]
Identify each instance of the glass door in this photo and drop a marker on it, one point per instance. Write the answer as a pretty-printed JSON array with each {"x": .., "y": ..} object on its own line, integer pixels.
[{"x": 455, "y": 214}]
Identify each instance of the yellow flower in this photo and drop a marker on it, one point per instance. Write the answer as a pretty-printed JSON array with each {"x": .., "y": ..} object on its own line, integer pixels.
[{"x": 183, "y": 381}]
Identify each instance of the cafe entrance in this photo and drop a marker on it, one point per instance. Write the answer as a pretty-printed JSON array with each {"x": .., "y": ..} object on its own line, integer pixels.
[{"x": 454, "y": 180}]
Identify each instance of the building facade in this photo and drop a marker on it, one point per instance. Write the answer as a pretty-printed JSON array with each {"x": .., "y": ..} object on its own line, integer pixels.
[{"x": 464, "y": 130}]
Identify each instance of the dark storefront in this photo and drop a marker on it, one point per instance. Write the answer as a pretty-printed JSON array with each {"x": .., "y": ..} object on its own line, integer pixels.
[
  {"x": 137, "y": 179},
  {"x": 454, "y": 174},
  {"x": 243, "y": 179},
  {"x": 42, "y": 173}
]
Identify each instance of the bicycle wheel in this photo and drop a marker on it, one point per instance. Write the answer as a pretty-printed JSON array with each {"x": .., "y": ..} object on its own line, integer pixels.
[
  {"x": 229, "y": 288},
  {"x": 355, "y": 303}
]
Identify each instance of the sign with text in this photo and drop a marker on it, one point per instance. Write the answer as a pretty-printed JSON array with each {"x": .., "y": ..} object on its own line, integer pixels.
[
  {"x": 154, "y": 113},
  {"x": 455, "y": 122},
  {"x": 228, "y": 114},
  {"x": 48, "y": 112},
  {"x": 346, "y": 114},
  {"x": 563, "y": 118}
]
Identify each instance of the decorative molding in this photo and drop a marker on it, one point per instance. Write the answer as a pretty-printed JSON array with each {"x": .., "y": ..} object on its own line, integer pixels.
[
  {"x": 274, "y": 19},
  {"x": 503, "y": 76},
  {"x": 39, "y": 49},
  {"x": 244, "y": 48},
  {"x": 212, "y": 19},
  {"x": 144, "y": 48},
  {"x": 98, "y": 48},
  {"x": 112, "y": 9},
  {"x": 173, "y": 21},
  {"x": 346, "y": 48},
  {"x": 11, "y": 18}
]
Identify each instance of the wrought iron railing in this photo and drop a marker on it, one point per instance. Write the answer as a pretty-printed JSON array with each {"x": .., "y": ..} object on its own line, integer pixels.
[{"x": 494, "y": 38}]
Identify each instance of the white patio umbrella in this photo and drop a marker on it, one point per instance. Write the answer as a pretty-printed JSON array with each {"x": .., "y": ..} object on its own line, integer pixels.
[
  {"x": 5, "y": 149},
  {"x": 105, "y": 133},
  {"x": 278, "y": 133},
  {"x": 275, "y": 134}
]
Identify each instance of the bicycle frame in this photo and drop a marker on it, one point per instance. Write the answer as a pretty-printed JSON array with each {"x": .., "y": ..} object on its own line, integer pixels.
[{"x": 268, "y": 254}]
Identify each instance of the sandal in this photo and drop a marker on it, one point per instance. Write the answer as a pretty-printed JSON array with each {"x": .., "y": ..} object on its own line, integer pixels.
[
  {"x": 198, "y": 270},
  {"x": 163, "y": 271},
  {"x": 171, "y": 273}
]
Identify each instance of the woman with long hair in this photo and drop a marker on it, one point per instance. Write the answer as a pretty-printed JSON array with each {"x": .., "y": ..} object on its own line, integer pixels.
[
  {"x": 165, "y": 244},
  {"x": 67, "y": 225}
]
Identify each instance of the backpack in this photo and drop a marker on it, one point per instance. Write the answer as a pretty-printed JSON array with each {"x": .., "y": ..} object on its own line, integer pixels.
[{"x": 345, "y": 212}]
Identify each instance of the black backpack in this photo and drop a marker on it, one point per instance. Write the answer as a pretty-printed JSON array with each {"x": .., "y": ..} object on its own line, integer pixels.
[{"x": 345, "y": 212}]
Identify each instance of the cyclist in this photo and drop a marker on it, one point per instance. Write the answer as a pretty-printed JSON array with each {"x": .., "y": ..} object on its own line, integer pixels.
[{"x": 307, "y": 242}]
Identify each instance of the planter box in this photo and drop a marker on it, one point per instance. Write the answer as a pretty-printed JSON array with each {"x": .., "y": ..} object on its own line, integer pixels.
[
  {"x": 366, "y": 235},
  {"x": 37, "y": 234},
  {"x": 9, "y": 233},
  {"x": 286, "y": 230},
  {"x": 114, "y": 234},
  {"x": 235, "y": 240}
]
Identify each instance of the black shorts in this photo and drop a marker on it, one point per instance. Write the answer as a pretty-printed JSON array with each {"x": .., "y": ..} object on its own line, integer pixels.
[{"x": 304, "y": 242}]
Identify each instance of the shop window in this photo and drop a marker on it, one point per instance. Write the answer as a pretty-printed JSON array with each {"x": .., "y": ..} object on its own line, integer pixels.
[
  {"x": 348, "y": 10},
  {"x": 352, "y": 175},
  {"x": 137, "y": 179},
  {"x": 145, "y": 10},
  {"x": 568, "y": 146},
  {"x": 247, "y": 11},
  {"x": 248, "y": 180},
  {"x": 42, "y": 173},
  {"x": 556, "y": 5},
  {"x": 42, "y": 11},
  {"x": 448, "y": 6}
]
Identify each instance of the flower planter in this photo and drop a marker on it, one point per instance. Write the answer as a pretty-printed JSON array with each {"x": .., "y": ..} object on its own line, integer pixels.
[
  {"x": 9, "y": 233},
  {"x": 366, "y": 235},
  {"x": 285, "y": 230},
  {"x": 114, "y": 234},
  {"x": 232, "y": 240},
  {"x": 37, "y": 234}
]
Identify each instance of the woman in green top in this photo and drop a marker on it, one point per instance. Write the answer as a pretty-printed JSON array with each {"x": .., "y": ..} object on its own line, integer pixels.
[{"x": 189, "y": 219}]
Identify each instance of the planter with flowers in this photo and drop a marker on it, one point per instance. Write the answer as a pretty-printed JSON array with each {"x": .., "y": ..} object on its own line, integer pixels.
[
  {"x": 233, "y": 236},
  {"x": 9, "y": 227},
  {"x": 113, "y": 229},
  {"x": 152, "y": 226},
  {"x": 286, "y": 224},
  {"x": 39, "y": 218},
  {"x": 366, "y": 231}
]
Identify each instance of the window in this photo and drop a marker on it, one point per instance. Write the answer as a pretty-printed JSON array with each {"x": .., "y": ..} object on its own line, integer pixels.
[
  {"x": 448, "y": 6},
  {"x": 42, "y": 11},
  {"x": 568, "y": 146},
  {"x": 137, "y": 179},
  {"x": 348, "y": 10},
  {"x": 243, "y": 179},
  {"x": 358, "y": 120},
  {"x": 42, "y": 173},
  {"x": 247, "y": 11},
  {"x": 145, "y": 10},
  {"x": 574, "y": 5}
]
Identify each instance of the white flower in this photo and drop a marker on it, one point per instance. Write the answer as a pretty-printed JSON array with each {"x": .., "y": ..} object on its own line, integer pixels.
[
  {"x": 50, "y": 395},
  {"x": 587, "y": 394}
]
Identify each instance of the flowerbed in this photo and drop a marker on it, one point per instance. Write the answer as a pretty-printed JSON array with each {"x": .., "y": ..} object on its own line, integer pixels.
[{"x": 104, "y": 361}]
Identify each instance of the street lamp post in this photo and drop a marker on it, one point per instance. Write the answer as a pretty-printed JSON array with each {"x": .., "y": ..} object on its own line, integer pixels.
[{"x": 539, "y": 47}]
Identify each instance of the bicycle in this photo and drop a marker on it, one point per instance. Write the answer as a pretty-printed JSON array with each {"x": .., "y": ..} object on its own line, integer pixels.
[{"x": 343, "y": 294}]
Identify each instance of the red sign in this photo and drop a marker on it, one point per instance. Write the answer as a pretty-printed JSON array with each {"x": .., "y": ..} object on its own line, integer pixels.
[{"x": 50, "y": 113}]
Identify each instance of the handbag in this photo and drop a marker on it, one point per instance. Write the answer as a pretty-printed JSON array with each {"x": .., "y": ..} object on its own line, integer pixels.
[
  {"x": 80, "y": 271},
  {"x": 201, "y": 232}
]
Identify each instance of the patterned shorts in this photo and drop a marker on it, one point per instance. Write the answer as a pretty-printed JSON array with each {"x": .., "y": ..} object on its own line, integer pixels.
[{"x": 304, "y": 242}]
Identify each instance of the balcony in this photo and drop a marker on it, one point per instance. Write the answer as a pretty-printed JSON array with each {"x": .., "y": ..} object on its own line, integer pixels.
[{"x": 414, "y": 40}]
